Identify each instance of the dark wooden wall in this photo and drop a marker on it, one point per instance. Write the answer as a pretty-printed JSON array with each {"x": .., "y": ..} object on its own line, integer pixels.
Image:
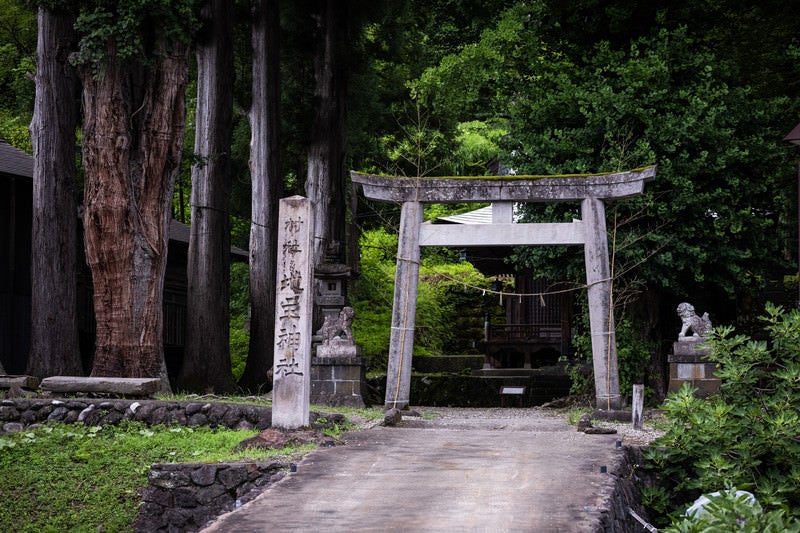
[{"x": 15, "y": 271}]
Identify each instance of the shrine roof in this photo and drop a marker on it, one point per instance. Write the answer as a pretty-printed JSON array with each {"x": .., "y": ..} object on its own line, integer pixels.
[{"x": 14, "y": 161}]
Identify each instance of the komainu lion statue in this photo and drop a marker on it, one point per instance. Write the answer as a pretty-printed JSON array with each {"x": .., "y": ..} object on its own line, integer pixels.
[
  {"x": 338, "y": 330},
  {"x": 699, "y": 325}
]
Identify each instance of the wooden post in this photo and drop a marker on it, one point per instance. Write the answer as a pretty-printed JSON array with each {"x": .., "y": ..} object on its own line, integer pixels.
[{"x": 637, "y": 406}]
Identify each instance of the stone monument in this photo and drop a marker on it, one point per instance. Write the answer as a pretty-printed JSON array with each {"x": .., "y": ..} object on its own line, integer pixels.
[
  {"x": 689, "y": 362},
  {"x": 293, "y": 310}
]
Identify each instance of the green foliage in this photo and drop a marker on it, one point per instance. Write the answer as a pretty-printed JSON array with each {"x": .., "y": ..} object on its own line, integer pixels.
[
  {"x": 14, "y": 130},
  {"x": 125, "y": 30},
  {"x": 448, "y": 297},
  {"x": 482, "y": 77},
  {"x": 79, "y": 478},
  {"x": 371, "y": 295},
  {"x": 633, "y": 354},
  {"x": 398, "y": 42},
  {"x": 710, "y": 218},
  {"x": 745, "y": 436},
  {"x": 706, "y": 217},
  {"x": 17, "y": 56},
  {"x": 17, "y": 66},
  {"x": 450, "y": 315},
  {"x": 418, "y": 149},
  {"x": 478, "y": 144},
  {"x": 239, "y": 313}
]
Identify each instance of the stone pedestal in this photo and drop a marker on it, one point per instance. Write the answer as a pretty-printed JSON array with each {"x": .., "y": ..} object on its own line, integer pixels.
[
  {"x": 336, "y": 381},
  {"x": 689, "y": 363}
]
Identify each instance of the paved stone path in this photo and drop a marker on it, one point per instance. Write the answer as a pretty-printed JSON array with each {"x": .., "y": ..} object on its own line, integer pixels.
[{"x": 534, "y": 474}]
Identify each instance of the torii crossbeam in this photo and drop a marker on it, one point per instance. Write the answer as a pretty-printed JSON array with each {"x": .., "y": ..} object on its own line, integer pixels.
[{"x": 591, "y": 190}]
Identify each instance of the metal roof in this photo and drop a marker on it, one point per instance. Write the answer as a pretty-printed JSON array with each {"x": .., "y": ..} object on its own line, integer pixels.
[
  {"x": 482, "y": 215},
  {"x": 478, "y": 216}
]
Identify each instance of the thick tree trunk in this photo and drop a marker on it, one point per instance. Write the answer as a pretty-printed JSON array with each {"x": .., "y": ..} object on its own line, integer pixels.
[
  {"x": 206, "y": 362},
  {"x": 265, "y": 173},
  {"x": 326, "y": 176},
  {"x": 133, "y": 131},
  {"x": 54, "y": 331}
]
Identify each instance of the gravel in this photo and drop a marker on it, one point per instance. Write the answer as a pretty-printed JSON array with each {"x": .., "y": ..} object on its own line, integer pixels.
[{"x": 517, "y": 419}]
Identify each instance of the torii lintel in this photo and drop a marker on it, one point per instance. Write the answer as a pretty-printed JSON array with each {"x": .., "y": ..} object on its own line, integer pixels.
[{"x": 603, "y": 186}]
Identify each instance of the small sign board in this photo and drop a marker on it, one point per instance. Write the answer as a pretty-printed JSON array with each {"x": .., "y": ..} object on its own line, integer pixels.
[{"x": 507, "y": 391}]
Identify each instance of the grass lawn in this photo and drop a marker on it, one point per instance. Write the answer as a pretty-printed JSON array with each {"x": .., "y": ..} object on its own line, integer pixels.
[{"x": 76, "y": 478}]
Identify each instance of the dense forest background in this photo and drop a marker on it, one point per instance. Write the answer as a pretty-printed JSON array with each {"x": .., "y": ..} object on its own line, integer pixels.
[{"x": 705, "y": 90}]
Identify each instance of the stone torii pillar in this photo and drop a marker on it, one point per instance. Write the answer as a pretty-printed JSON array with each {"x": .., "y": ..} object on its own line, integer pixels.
[
  {"x": 404, "y": 308},
  {"x": 590, "y": 232},
  {"x": 601, "y": 318}
]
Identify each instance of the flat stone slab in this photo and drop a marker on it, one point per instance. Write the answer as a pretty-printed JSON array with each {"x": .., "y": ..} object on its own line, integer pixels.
[
  {"x": 14, "y": 382},
  {"x": 110, "y": 385}
]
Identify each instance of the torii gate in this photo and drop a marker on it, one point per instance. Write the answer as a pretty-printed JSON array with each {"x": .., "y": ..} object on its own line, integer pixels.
[{"x": 590, "y": 231}]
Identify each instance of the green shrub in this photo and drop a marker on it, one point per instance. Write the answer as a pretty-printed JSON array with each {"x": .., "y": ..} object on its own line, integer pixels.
[
  {"x": 746, "y": 436},
  {"x": 633, "y": 354},
  {"x": 728, "y": 513},
  {"x": 239, "y": 310}
]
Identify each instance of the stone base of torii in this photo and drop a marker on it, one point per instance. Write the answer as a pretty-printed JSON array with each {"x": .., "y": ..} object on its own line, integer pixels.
[{"x": 590, "y": 231}]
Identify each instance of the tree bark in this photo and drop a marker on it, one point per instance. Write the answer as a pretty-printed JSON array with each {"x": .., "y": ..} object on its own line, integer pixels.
[
  {"x": 266, "y": 187},
  {"x": 206, "y": 362},
  {"x": 54, "y": 346},
  {"x": 326, "y": 176},
  {"x": 133, "y": 130}
]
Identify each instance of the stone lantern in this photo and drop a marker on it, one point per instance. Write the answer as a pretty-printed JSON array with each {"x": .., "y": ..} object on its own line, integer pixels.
[{"x": 337, "y": 370}]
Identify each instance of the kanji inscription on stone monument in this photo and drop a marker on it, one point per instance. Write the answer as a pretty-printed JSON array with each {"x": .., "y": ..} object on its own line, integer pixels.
[{"x": 292, "y": 367}]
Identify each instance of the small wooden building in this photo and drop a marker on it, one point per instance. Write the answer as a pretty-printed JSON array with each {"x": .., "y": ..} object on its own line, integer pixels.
[
  {"x": 16, "y": 201},
  {"x": 16, "y": 205}
]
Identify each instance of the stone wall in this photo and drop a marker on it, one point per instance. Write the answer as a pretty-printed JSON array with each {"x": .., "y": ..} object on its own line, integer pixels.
[
  {"x": 456, "y": 364},
  {"x": 18, "y": 413},
  {"x": 616, "y": 517},
  {"x": 460, "y": 390},
  {"x": 185, "y": 497}
]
